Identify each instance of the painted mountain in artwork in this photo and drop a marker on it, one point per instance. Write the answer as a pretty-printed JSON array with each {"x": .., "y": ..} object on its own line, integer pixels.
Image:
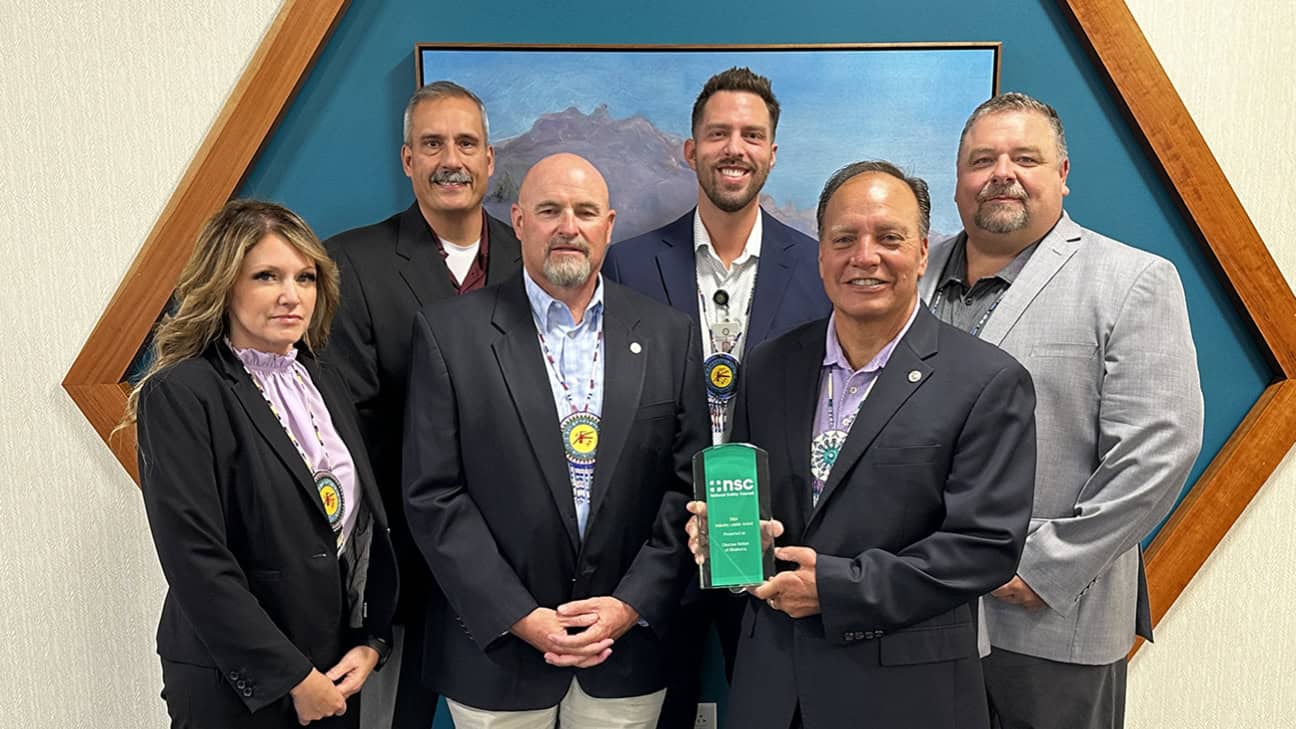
[{"x": 649, "y": 181}]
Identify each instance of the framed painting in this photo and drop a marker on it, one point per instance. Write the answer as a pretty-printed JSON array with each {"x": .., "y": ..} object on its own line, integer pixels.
[{"x": 627, "y": 109}]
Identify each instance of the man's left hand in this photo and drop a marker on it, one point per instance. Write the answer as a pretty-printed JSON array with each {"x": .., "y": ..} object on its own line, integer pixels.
[
  {"x": 1018, "y": 593},
  {"x": 794, "y": 592},
  {"x": 612, "y": 619},
  {"x": 350, "y": 673}
]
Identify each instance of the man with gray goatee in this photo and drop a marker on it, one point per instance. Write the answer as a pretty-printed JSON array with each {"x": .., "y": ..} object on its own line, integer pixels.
[
  {"x": 1103, "y": 330},
  {"x": 443, "y": 245}
]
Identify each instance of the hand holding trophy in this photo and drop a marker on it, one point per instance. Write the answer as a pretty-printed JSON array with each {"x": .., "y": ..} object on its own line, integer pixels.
[{"x": 731, "y": 533}]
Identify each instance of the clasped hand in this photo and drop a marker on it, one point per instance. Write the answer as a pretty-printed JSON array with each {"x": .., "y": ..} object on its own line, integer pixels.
[
  {"x": 600, "y": 620},
  {"x": 320, "y": 695}
]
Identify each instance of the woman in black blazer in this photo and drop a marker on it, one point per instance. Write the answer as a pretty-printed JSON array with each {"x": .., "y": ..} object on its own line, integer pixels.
[{"x": 258, "y": 492}]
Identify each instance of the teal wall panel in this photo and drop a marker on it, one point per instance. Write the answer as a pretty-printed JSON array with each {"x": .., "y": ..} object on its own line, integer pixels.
[{"x": 334, "y": 156}]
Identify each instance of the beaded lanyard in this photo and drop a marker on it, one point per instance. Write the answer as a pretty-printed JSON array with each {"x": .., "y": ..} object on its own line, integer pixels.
[
  {"x": 580, "y": 428},
  {"x": 721, "y": 366},
  {"x": 326, "y": 483},
  {"x": 826, "y": 447}
]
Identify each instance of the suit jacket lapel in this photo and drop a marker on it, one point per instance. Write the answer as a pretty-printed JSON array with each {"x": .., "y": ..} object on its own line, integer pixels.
[
  {"x": 623, "y": 375},
  {"x": 423, "y": 268},
  {"x": 1053, "y": 252},
  {"x": 895, "y": 384},
  {"x": 522, "y": 366},
  {"x": 505, "y": 255},
  {"x": 772, "y": 275},
  {"x": 259, "y": 412},
  {"x": 801, "y": 396},
  {"x": 677, "y": 266}
]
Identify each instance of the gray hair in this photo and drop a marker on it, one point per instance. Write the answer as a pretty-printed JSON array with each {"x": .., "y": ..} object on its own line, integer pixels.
[
  {"x": 442, "y": 90},
  {"x": 855, "y": 169},
  {"x": 1016, "y": 101}
]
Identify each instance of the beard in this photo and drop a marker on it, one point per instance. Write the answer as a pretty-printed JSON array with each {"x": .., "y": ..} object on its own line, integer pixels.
[
  {"x": 567, "y": 272},
  {"x": 732, "y": 201},
  {"x": 998, "y": 217}
]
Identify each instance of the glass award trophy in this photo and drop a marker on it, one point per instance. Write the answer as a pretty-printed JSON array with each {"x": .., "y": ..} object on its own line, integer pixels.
[{"x": 733, "y": 480}]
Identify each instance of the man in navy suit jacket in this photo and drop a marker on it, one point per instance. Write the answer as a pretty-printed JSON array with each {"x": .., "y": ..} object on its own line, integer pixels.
[
  {"x": 901, "y": 469},
  {"x": 743, "y": 277}
]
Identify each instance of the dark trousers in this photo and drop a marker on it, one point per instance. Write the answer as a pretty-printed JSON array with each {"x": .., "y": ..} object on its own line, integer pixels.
[
  {"x": 199, "y": 697},
  {"x": 685, "y": 645},
  {"x": 1026, "y": 692},
  {"x": 416, "y": 704}
]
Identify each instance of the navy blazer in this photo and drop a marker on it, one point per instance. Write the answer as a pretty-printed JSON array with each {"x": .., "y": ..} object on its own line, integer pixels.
[
  {"x": 662, "y": 265},
  {"x": 489, "y": 499},
  {"x": 925, "y": 510},
  {"x": 247, "y": 550}
]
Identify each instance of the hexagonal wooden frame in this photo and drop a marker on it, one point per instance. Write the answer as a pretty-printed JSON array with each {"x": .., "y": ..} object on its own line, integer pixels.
[{"x": 1233, "y": 477}]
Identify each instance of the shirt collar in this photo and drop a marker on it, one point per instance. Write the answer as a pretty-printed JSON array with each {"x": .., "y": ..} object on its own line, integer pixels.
[
  {"x": 835, "y": 356},
  {"x": 483, "y": 242},
  {"x": 548, "y": 311},
  {"x": 751, "y": 249},
  {"x": 956, "y": 266}
]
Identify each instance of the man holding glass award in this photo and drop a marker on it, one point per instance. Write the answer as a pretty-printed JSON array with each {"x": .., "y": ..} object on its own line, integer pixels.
[{"x": 899, "y": 478}]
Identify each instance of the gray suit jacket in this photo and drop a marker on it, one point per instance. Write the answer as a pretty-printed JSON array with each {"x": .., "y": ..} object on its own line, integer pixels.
[{"x": 1103, "y": 330}]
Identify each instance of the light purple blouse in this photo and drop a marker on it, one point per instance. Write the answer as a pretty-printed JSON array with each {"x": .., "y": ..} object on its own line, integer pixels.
[
  {"x": 849, "y": 387},
  {"x": 297, "y": 403}
]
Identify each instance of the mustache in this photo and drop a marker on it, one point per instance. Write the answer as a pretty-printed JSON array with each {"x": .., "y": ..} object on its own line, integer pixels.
[
  {"x": 560, "y": 242},
  {"x": 733, "y": 162},
  {"x": 450, "y": 176},
  {"x": 1001, "y": 189}
]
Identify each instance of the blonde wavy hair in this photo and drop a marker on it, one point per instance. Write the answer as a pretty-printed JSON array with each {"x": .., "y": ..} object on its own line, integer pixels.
[{"x": 201, "y": 298}]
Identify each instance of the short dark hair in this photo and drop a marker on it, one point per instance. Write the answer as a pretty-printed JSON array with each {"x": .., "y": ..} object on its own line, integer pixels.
[
  {"x": 855, "y": 169},
  {"x": 1017, "y": 101},
  {"x": 738, "y": 78},
  {"x": 440, "y": 90}
]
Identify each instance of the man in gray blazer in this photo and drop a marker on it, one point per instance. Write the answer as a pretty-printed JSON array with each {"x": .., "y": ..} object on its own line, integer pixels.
[{"x": 1103, "y": 330}]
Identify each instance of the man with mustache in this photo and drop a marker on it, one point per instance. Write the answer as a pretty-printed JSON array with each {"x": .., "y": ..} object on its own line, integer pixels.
[
  {"x": 442, "y": 246},
  {"x": 1103, "y": 330},
  {"x": 743, "y": 277},
  {"x": 551, "y": 425}
]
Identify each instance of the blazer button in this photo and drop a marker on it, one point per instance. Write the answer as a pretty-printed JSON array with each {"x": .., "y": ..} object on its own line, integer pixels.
[
  {"x": 868, "y": 635},
  {"x": 241, "y": 683},
  {"x": 233, "y": 675}
]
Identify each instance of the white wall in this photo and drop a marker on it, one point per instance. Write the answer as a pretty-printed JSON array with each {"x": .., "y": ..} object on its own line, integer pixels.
[
  {"x": 1225, "y": 654},
  {"x": 105, "y": 102},
  {"x": 102, "y": 105}
]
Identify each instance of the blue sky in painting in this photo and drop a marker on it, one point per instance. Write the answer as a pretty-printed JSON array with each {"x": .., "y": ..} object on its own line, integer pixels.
[{"x": 906, "y": 106}]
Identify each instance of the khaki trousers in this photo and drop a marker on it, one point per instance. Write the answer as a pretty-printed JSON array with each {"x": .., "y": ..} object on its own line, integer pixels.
[{"x": 578, "y": 710}]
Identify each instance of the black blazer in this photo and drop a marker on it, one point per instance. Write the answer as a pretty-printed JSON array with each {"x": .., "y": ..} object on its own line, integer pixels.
[
  {"x": 662, "y": 264},
  {"x": 243, "y": 539},
  {"x": 489, "y": 498},
  {"x": 925, "y": 510},
  {"x": 388, "y": 271}
]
